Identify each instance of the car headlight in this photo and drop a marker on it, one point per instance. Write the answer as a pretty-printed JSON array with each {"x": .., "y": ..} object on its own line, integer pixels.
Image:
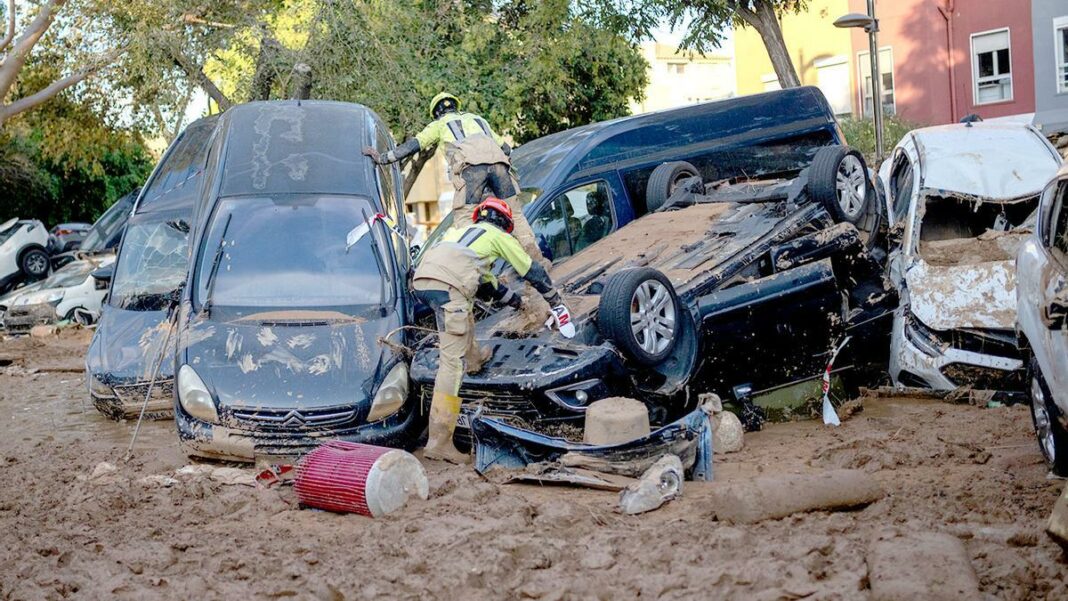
[
  {"x": 99, "y": 389},
  {"x": 194, "y": 395},
  {"x": 922, "y": 338},
  {"x": 578, "y": 395},
  {"x": 391, "y": 394},
  {"x": 55, "y": 297}
]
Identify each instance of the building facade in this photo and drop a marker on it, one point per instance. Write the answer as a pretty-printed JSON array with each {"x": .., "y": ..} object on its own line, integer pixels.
[
  {"x": 1049, "y": 20},
  {"x": 681, "y": 78}
]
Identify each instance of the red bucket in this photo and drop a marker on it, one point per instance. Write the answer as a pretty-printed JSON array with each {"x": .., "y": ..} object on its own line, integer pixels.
[{"x": 350, "y": 477}]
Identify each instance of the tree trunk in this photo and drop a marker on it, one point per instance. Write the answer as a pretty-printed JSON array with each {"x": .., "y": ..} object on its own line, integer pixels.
[
  {"x": 415, "y": 166},
  {"x": 763, "y": 19},
  {"x": 198, "y": 77},
  {"x": 266, "y": 68},
  {"x": 301, "y": 82}
]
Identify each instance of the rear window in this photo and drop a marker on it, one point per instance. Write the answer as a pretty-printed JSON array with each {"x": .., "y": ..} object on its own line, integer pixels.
[{"x": 175, "y": 182}]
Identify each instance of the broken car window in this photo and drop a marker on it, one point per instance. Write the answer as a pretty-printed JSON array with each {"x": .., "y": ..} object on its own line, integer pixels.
[
  {"x": 291, "y": 252},
  {"x": 575, "y": 219},
  {"x": 151, "y": 266},
  {"x": 1059, "y": 225},
  {"x": 968, "y": 231}
]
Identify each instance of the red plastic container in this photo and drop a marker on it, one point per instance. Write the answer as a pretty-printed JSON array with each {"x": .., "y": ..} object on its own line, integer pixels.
[{"x": 349, "y": 477}]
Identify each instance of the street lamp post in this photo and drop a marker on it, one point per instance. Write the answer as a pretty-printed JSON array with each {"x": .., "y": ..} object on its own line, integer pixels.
[{"x": 870, "y": 24}]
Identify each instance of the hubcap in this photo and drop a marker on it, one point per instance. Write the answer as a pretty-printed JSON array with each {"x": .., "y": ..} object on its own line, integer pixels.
[
  {"x": 37, "y": 264},
  {"x": 1043, "y": 428},
  {"x": 852, "y": 186},
  {"x": 652, "y": 317}
]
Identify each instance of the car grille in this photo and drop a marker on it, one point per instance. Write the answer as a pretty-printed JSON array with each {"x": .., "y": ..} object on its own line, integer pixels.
[
  {"x": 984, "y": 378},
  {"x": 986, "y": 342},
  {"x": 162, "y": 391},
  {"x": 23, "y": 318},
  {"x": 292, "y": 419}
]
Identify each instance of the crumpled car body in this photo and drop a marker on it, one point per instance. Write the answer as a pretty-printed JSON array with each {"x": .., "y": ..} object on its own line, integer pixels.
[
  {"x": 131, "y": 356},
  {"x": 767, "y": 284},
  {"x": 70, "y": 293},
  {"x": 295, "y": 296},
  {"x": 17, "y": 238},
  {"x": 960, "y": 200}
]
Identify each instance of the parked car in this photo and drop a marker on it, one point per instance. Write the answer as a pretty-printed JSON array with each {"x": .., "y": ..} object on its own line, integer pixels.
[
  {"x": 738, "y": 286},
  {"x": 70, "y": 293},
  {"x": 1042, "y": 321},
  {"x": 65, "y": 237},
  {"x": 105, "y": 233},
  {"x": 131, "y": 339},
  {"x": 23, "y": 252},
  {"x": 959, "y": 201},
  {"x": 292, "y": 287}
]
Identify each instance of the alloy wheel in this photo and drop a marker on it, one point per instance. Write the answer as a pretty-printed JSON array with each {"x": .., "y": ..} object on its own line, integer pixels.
[
  {"x": 652, "y": 317},
  {"x": 37, "y": 264},
  {"x": 1043, "y": 426},
  {"x": 852, "y": 186}
]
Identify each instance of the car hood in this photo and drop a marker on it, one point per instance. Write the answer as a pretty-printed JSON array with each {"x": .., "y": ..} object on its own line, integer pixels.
[
  {"x": 307, "y": 363},
  {"x": 963, "y": 296},
  {"x": 9, "y": 299},
  {"x": 127, "y": 345}
]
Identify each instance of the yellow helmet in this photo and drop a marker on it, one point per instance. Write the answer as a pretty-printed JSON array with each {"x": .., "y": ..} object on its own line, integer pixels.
[{"x": 443, "y": 97}]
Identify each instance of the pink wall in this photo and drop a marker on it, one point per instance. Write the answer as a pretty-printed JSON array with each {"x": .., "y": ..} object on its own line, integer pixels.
[{"x": 915, "y": 30}]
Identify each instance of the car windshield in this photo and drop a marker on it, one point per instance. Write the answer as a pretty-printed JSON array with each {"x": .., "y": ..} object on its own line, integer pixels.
[
  {"x": 151, "y": 265},
  {"x": 6, "y": 234},
  {"x": 70, "y": 275},
  {"x": 293, "y": 251},
  {"x": 969, "y": 231},
  {"x": 104, "y": 229}
]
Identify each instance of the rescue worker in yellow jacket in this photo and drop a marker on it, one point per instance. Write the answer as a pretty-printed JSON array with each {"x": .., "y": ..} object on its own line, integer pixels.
[
  {"x": 478, "y": 160},
  {"x": 448, "y": 278}
]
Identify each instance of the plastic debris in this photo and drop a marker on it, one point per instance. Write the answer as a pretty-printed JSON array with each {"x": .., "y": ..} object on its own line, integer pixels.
[
  {"x": 661, "y": 483},
  {"x": 349, "y": 477},
  {"x": 830, "y": 417}
]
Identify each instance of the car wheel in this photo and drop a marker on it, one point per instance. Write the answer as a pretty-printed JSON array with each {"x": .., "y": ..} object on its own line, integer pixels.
[
  {"x": 838, "y": 179},
  {"x": 34, "y": 263},
  {"x": 1052, "y": 437},
  {"x": 639, "y": 312},
  {"x": 663, "y": 181}
]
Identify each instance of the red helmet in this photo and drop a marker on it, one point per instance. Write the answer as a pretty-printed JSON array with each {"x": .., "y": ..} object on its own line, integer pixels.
[{"x": 496, "y": 211}]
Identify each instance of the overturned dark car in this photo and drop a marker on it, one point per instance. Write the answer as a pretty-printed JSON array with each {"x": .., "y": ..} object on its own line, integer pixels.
[
  {"x": 738, "y": 273},
  {"x": 132, "y": 348},
  {"x": 293, "y": 283}
]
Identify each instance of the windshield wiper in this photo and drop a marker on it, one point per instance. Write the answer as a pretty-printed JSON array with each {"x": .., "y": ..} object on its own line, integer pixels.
[
  {"x": 215, "y": 265},
  {"x": 378, "y": 257}
]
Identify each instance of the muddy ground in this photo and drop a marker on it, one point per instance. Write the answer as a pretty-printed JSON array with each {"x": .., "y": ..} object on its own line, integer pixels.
[{"x": 972, "y": 473}]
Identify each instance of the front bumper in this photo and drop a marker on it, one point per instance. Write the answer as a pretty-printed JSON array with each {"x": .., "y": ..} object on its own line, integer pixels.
[
  {"x": 246, "y": 440},
  {"x": 943, "y": 367},
  {"x": 126, "y": 400},
  {"x": 21, "y": 319}
]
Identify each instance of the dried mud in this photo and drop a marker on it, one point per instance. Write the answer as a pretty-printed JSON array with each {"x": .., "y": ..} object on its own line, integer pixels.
[{"x": 143, "y": 531}]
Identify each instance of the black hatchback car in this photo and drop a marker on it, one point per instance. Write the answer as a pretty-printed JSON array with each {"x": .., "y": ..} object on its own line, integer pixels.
[{"x": 293, "y": 283}]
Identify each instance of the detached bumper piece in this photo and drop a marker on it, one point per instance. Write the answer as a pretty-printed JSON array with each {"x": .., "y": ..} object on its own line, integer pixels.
[{"x": 499, "y": 446}]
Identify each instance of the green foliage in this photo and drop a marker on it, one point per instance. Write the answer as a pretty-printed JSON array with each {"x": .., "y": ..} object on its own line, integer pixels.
[
  {"x": 860, "y": 134},
  {"x": 529, "y": 68}
]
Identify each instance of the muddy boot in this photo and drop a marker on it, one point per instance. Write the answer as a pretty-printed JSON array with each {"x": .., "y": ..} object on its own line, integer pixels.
[
  {"x": 475, "y": 361},
  {"x": 444, "y": 409}
]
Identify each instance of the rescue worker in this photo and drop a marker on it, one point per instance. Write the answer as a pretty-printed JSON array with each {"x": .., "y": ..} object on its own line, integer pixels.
[
  {"x": 448, "y": 278},
  {"x": 478, "y": 162}
]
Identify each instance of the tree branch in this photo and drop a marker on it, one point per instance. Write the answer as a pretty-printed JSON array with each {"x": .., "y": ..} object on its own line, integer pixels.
[
  {"x": 49, "y": 91},
  {"x": 20, "y": 52},
  {"x": 196, "y": 75},
  {"x": 10, "y": 35},
  {"x": 415, "y": 167}
]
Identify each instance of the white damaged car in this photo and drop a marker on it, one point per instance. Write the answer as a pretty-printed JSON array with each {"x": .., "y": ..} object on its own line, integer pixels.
[
  {"x": 961, "y": 201},
  {"x": 23, "y": 254},
  {"x": 70, "y": 293},
  {"x": 1042, "y": 320}
]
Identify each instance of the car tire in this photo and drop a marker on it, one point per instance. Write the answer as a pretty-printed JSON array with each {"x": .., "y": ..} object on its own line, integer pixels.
[
  {"x": 1052, "y": 437},
  {"x": 663, "y": 181},
  {"x": 639, "y": 312},
  {"x": 835, "y": 177},
  {"x": 34, "y": 263}
]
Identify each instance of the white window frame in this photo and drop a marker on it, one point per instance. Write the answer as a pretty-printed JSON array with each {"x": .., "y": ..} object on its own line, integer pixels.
[
  {"x": 975, "y": 67},
  {"x": 864, "y": 70},
  {"x": 770, "y": 78},
  {"x": 1059, "y": 63}
]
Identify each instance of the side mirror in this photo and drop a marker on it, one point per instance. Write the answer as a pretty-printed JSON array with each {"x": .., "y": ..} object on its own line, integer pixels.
[
  {"x": 102, "y": 277},
  {"x": 1055, "y": 315}
]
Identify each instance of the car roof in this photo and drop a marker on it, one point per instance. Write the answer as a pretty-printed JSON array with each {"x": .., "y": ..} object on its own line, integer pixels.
[
  {"x": 547, "y": 161},
  {"x": 297, "y": 147},
  {"x": 991, "y": 160},
  {"x": 173, "y": 184}
]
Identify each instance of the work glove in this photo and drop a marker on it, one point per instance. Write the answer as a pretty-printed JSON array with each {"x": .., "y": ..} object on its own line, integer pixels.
[
  {"x": 372, "y": 152},
  {"x": 561, "y": 319}
]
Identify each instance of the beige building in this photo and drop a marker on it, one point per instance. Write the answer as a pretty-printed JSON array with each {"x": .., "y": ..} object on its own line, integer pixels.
[{"x": 681, "y": 78}]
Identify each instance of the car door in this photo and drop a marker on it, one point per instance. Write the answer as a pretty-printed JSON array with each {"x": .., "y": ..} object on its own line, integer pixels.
[
  {"x": 1053, "y": 287},
  {"x": 574, "y": 219},
  {"x": 901, "y": 187}
]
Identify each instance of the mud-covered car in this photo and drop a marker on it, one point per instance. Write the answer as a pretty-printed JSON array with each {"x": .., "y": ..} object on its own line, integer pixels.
[
  {"x": 736, "y": 287},
  {"x": 131, "y": 340},
  {"x": 23, "y": 252},
  {"x": 293, "y": 285},
  {"x": 1042, "y": 321},
  {"x": 961, "y": 200},
  {"x": 69, "y": 293},
  {"x": 104, "y": 235}
]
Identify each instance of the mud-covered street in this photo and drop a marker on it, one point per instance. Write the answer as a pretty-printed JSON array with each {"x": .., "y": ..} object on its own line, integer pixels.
[{"x": 143, "y": 531}]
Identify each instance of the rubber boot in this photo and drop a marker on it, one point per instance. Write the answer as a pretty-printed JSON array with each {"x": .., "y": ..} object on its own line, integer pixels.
[{"x": 444, "y": 409}]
